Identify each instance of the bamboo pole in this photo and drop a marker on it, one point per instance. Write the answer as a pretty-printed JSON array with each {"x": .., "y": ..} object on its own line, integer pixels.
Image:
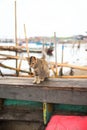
[
  {"x": 52, "y": 63},
  {"x": 75, "y": 76},
  {"x": 16, "y": 36},
  {"x": 1, "y": 73},
  {"x": 11, "y": 48},
  {"x": 55, "y": 54},
  {"x": 70, "y": 66},
  {"x": 11, "y": 57},
  {"x": 62, "y": 57},
  {"x": 21, "y": 75},
  {"x": 12, "y": 68},
  {"x": 72, "y": 77},
  {"x": 27, "y": 48},
  {"x": 20, "y": 64}
]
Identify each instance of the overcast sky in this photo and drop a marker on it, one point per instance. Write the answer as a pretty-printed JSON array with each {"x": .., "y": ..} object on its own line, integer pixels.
[{"x": 43, "y": 17}]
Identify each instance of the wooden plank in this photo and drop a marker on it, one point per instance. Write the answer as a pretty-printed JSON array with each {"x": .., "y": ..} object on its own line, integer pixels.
[
  {"x": 47, "y": 112},
  {"x": 65, "y": 91},
  {"x": 52, "y": 83},
  {"x": 32, "y": 115}
]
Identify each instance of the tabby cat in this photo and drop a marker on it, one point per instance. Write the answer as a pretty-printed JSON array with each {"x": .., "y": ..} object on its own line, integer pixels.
[{"x": 40, "y": 67}]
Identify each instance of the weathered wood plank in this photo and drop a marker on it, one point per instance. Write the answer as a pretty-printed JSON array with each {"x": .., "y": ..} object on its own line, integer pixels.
[
  {"x": 67, "y": 91},
  {"x": 32, "y": 115}
]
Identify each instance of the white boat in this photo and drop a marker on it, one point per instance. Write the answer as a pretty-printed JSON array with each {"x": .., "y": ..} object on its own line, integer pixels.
[{"x": 38, "y": 47}]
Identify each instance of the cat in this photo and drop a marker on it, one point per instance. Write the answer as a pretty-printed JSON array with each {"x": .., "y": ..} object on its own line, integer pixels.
[{"x": 40, "y": 67}]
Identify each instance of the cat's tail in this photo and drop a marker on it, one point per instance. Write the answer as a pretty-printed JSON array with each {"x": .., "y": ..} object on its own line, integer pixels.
[{"x": 43, "y": 54}]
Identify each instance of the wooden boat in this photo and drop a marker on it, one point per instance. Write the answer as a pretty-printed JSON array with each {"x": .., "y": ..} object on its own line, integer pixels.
[{"x": 38, "y": 47}]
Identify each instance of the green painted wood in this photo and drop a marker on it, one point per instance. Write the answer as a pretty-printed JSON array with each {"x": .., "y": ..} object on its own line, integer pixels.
[
  {"x": 47, "y": 112},
  {"x": 48, "y": 108},
  {"x": 71, "y": 108},
  {"x": 9, "y": 102}
]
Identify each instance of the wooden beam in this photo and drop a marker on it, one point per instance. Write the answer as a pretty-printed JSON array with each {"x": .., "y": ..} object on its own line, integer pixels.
[
  {"x": 65, "y": 91},
  {"x": 47, "y": 112},
  {"x": 12, "y": 68},
  {"x": 21, "y": 115},
  {"x": 12, "y": 57}
]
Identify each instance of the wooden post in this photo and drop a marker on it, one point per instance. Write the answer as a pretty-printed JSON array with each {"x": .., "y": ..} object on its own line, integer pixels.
[
  {"x": 47, "y": 111},
  {"x": 16, "y": 38},
  {"x": 55, "y": 53},
  {"x": 20, "y": 63},
  {"x": 27, "y": 48},
  {"x": 1, "y": 73},
  {"x": 61, "y": 69},
  {"x": 43, "y": 50}
]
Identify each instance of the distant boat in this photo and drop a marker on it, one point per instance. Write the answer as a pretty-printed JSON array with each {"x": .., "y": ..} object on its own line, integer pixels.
[
  {"x": 38, "y": 46},
  {"x": 49, "y": 47}
]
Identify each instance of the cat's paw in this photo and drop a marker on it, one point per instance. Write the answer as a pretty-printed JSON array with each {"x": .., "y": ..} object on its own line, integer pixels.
[
  {"x": 42, "y": 79},
  {"x": 38, "y": 82},
  {"x": 34, "y": 81}
]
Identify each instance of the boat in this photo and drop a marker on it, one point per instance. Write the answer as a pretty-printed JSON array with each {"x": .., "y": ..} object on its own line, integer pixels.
[{"x": 37, "y": 47}]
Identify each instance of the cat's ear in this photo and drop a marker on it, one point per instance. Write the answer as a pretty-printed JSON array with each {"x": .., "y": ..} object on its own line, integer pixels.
[
  {"x": 29, "y": 59},
  {"x": 33, "y": 57}
]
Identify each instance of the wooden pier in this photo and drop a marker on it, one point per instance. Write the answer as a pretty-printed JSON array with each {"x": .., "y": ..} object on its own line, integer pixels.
[
  {"x": 58, "y": 91},
  {"x": 67, "y": 91}
]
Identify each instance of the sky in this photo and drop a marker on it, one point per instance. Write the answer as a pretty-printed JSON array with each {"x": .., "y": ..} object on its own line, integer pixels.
[{"x": 43, "y": 18}]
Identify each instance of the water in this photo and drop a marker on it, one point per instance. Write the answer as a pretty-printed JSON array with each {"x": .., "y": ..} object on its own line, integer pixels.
[{"x": 71, "y": 55}]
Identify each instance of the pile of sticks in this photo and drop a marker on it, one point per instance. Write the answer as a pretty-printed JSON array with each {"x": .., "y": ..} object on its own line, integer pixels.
[
  {"x": 12, "y": 48},
  {"x": 52, "y": 66}
]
